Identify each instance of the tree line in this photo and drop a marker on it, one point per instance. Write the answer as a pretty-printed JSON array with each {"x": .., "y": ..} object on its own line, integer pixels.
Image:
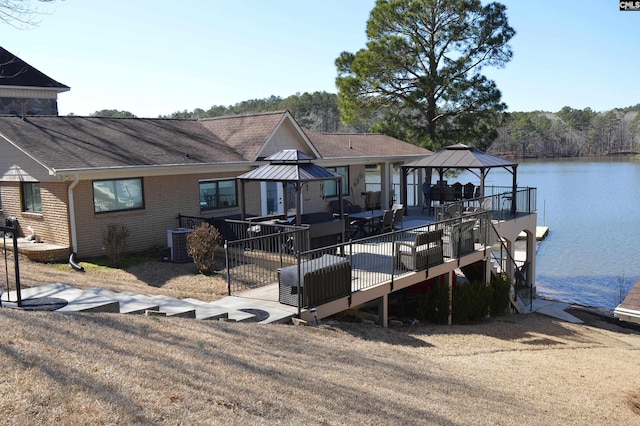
[
  {"x": 538, "y": 134},
  {"x": 420, "y": 79}
]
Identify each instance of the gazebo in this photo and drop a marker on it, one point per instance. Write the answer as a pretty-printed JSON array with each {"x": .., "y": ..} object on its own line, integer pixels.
[
  {"x": 289, "y": 166},
  {"x": 459, "y": 156}
]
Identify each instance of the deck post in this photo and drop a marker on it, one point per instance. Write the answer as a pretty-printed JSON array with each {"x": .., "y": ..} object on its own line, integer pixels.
[
  {"x": 383, "y": 310},
  {"x": 449, "y": 277}
]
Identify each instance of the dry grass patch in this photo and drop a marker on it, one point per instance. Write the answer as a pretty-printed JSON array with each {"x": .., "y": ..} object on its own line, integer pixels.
[
  {"x": 148, "y": 277},
  {"x": 119, "y": 369}
]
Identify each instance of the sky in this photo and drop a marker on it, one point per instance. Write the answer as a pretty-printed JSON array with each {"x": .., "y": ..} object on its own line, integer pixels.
[{"x": 157, "y": 57}]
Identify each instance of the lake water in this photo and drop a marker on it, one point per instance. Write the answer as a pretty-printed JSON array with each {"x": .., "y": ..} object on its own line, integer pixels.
[{"x": 592, "y": 208}]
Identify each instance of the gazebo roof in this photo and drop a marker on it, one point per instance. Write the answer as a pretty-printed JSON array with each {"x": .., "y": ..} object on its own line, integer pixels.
[
  {"x": 460, "y": 156},
  {"x": 289, "y": 166}
]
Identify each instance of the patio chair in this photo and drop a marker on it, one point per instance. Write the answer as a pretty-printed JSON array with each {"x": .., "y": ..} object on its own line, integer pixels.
[
  {"x": 436, "y": 194},
  {"x": 457, "y": 190},
  {"x": 398, "y": 215},
  {"x": 351, "y": 228},
  {"x": 386, "y": 224},
  {"x": 468, "y": 190},
  {"x": 448, "y": 194},
  {"x": 424, "y": 251},
  {"x": 458, "y": 238},
  {"x": 372, "y": 200},
  {"x": 426, "y": 197}
]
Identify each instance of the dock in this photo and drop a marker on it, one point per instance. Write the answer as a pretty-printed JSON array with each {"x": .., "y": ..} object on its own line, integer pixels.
[{"x": 541, "y": 233}]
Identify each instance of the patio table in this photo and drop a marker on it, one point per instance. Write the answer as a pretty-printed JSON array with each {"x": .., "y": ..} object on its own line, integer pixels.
[{"x": 367, "y": 220}]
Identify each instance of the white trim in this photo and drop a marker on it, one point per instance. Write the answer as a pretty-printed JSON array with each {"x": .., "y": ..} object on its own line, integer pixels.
[
  {"x": 72, "y": 214},
  {"x": 301, "y": 133}
]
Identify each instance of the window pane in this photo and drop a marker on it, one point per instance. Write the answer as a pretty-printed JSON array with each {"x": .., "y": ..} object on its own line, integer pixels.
[
  {"x": 114, "y": 195},
  {"x": 331, "y": 186},
  {"x": 227, "y": 192},
  {"x": 208, "y": 195},
  {"x": 31, "y": 201},
  {"x": 218, "y": 194}
]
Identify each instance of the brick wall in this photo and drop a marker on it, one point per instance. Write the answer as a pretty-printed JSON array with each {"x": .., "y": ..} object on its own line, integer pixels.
[
  {"x": 52, "y": 224},
  {"x": 164, "y": 196}
]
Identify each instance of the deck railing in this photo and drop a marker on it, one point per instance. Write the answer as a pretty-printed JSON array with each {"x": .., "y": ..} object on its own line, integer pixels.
[
  {"x": 254, "y": 262},
  {"x": 255, "y": 250},
  {"x": 498, "y": 200}
]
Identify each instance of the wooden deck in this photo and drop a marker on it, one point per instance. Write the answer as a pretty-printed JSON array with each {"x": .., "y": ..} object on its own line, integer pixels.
[{"x": 629, "y": 309}]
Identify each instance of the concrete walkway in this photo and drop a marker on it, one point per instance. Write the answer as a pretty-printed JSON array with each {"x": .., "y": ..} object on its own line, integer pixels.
[
  {"x": 63, "y": 298},
  {"x": 552, "y": 309}
]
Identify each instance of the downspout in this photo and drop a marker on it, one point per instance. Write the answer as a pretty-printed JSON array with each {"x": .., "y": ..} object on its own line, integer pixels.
[{"x": 72, "y": 215}]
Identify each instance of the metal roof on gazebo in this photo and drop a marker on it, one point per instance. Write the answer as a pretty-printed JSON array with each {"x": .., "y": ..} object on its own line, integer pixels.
[
  {"x": 460, "y": 156},
  {"x": 290, "y": 165},
  {"x": 289, "y": 173}
]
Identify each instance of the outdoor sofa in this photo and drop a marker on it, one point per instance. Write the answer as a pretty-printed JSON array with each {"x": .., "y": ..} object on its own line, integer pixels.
[
  {"x": 323, "y": 279},
  {"x": 424, "y": 251}
]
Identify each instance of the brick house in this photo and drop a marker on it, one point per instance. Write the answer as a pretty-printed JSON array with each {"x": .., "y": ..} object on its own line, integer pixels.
[{"x": 69, "y": 177}]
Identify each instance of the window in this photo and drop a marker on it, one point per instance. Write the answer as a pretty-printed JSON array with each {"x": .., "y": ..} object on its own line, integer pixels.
[
  {"x": 331, "y": 186},
  {"x": 217, "y": 194},
  {"x": 31, "y": 201},
  {"x": 117, "y": 194}
]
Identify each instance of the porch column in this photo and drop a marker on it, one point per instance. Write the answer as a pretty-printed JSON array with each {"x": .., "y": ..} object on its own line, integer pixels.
[
  {"x": 531, "y": 258},
  {"x": 449, "y": 277},
  {"x": 383, "y": 310},
  {"x": 386, "y": 186},
  {"x": 243, "y": 212}
]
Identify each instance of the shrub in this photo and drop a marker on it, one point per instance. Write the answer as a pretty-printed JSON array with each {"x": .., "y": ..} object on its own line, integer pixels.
[
  {"x": 471, "y": 302},
  {"x": 201, "y": 246},
  {"x": 433, "y": 306},
  {"x": 500, "y": 288},
  {"x": 115, "y": 239}
]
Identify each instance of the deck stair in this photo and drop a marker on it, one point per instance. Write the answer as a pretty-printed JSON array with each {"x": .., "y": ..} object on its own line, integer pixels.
[{"x": 101, "y": 300}]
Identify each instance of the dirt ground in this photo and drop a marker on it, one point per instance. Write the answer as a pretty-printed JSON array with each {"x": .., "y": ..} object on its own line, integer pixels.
[
  {"x": 129, "y": 369},
  {"x": 180, "y": 280}
]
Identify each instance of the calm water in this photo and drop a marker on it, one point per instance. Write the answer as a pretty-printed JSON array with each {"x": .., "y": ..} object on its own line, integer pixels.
[{"x": 592, "y": 208}]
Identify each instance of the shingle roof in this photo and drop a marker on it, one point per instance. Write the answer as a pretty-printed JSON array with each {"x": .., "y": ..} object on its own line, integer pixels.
[
  {"x": 245, "y": 133},
  {"x": 64, "y": 143},
  {"x": 16, "y": 72},
  {"x": 345, "y": 145},
  {"x": 84, "y": 143}
]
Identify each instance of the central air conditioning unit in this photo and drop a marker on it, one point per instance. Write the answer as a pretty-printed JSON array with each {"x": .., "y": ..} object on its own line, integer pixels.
[{"x": 177, "y": 242}]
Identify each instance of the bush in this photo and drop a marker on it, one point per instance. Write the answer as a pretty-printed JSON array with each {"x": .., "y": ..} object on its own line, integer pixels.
[
  {"x": 433, "y": 306},
  {"x": 471, "y": 302},
  {"x": 115, "y": 239},
  {"x": 201, "y": 246},
  {"x": 500, "y": 288}
]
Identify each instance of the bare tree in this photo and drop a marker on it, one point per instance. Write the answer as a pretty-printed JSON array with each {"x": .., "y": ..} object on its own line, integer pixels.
[{"x": 21, "y": 13}]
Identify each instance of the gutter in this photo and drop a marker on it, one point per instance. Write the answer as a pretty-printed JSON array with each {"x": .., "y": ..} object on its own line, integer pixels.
[{"x": 72, "y": 214}]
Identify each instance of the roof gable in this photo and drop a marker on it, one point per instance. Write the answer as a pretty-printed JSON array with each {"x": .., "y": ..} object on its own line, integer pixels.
[
  {"x": 259, "y": 135},
  {"x": 15, "y": 72}
]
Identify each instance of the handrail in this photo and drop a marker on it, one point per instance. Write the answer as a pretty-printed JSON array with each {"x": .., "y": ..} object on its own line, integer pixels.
[{"x": 519, "y": 283}]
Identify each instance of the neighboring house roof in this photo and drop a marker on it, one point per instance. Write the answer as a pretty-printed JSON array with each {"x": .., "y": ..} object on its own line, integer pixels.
[
  {"x": 15, "y": 72},
  {"x": 345, "y": 145}
]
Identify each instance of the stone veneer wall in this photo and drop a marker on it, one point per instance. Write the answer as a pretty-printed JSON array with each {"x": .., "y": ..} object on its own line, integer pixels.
[{"x": 14, "y": 106}]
